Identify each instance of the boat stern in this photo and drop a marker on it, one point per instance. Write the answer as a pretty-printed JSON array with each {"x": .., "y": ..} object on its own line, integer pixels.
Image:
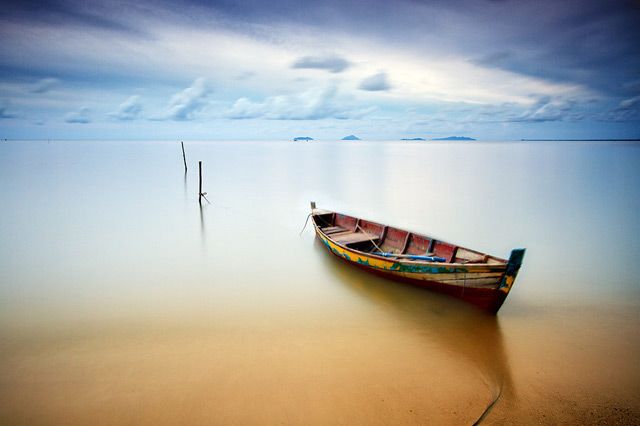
[{"x": 513, "y": 266}]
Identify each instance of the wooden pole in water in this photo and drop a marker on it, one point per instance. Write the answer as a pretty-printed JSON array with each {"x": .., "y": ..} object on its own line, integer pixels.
[
  {"x": 184, "y": 157},
  {"x": 200, "y": 187}
]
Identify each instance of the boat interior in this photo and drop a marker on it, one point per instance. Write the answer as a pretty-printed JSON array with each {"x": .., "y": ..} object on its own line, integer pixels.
[{"x": 371, "y": 237}]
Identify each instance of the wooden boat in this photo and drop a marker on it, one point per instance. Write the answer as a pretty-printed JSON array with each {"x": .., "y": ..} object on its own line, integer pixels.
[{"x": 478, "y": 278}]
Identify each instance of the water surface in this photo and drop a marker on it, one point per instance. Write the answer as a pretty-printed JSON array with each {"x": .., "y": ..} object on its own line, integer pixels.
[{"x": 122, "y": 300}]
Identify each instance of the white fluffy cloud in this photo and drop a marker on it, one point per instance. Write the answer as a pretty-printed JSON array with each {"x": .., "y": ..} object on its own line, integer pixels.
[
  {"x": 312, "y": 104},
  {"x": 128, "y": 110},
  {"x": 188, "y": 103},
  {"x": 78, "y": 117}
]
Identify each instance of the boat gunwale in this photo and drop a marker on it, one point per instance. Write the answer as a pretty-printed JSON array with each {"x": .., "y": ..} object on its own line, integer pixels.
[{"x": 494, "y": 267}]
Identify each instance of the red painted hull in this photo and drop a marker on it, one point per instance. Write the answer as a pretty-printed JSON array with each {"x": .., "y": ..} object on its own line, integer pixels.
[
  {"x": 477, "y": 278},
  {"x": 485, "y": 299}
]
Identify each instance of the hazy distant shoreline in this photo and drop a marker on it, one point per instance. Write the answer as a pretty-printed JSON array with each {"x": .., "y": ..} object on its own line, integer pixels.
[
  {"x": 506, "y": 141},
  {"x": 580, "y": 140}
]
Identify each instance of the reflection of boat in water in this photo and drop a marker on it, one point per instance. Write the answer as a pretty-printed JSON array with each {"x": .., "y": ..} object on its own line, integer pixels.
[
  {"x": 478, "y": 278},
  {"x": 472, "y": 340}
]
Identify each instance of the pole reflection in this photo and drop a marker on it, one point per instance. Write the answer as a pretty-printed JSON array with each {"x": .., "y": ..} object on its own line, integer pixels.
[
  {"x": 203, "y": 231},
  {"x": 185, "y": 185}
]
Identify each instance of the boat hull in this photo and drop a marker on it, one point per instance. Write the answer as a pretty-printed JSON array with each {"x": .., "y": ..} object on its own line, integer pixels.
[{"x": 484, "y": 285}]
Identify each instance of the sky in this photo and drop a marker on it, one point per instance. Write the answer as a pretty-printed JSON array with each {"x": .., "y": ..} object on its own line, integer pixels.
[{"x": 382, "y": 70}]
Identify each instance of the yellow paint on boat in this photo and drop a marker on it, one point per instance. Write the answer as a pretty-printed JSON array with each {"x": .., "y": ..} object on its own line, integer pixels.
[{"x": 354, "y": 256}]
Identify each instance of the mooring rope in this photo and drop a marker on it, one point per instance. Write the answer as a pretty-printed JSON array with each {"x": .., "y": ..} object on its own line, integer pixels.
[
  {"x": 305, "y": 224},
  {"x": 370, "y": 239}
]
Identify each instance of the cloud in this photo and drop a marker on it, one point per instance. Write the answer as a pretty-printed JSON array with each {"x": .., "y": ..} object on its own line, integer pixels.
[
  {"x": 44, "y": 85},
  {"x": 435, "y": 54},
  {"x": 128, "y": 110},
  {"x": 245, "y": 108},
  {"x": 66, "y": 13},
  {"x": 334, "y": 64},
  {"x": 583, "y": 42},
  {"x": 495, "y": 59},
  {"x": 185, "y": 106},
  {"x": 544, "y": 109},
  {"x": 313, "y": 104},
  {"x": 356, "y": 113},
  {"x": 245, "y": 75},
  {"x": 632, "y": 86},
  {"x": 549, "y": 109},
  {"x": 78, "y": 117},
  {"x": 626, "y": 110},
  {"x": 630, "y": 103},
  {"x": 375, "y": 83},
  {"x": 3, "y": 111}
]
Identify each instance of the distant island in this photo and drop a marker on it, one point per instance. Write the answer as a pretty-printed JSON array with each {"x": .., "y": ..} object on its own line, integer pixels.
[
  {"x": 351, "y": 138},
  {"x": 454, "y": 138},
  {"x": 413, "y": 139},
  {"x": 302, "y": 138}
]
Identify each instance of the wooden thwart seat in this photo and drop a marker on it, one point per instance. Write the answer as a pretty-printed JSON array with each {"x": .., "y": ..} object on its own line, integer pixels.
[
  {"x": 332, "y": 229},
  {"x": 335, "y": 230},
  {"x": 354, "y": 237}
]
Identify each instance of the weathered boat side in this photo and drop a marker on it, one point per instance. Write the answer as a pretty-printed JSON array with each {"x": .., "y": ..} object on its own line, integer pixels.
[{"x": 477, "y": 278}]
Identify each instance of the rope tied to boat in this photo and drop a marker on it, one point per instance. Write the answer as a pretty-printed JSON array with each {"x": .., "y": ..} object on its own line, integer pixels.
[
  {"x": 307, "y": 220},
  {"x": 409, "y": 256},
  {"x": 369, "y": 235},
  {"x": 305, "y": 224}
]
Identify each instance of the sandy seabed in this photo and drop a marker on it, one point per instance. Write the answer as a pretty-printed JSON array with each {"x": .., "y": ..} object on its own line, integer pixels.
[{"x": 580, "y": 372}]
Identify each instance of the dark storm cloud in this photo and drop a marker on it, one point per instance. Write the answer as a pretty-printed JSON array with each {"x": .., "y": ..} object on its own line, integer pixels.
[{"x": 591, "y": 43}]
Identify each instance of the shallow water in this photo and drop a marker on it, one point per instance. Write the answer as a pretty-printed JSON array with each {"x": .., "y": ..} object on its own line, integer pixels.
[{"x": 121, "y": 299}]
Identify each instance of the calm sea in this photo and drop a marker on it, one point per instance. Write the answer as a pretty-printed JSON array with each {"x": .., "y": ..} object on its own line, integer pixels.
[{"x": 122, "y": 300}]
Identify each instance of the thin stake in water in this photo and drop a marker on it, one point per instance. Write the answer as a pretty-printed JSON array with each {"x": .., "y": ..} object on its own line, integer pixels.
[
  {"x": 184, "y": 157},
  {"x": 201, "y": 194},
  {"x": 200, "y": 186}
]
